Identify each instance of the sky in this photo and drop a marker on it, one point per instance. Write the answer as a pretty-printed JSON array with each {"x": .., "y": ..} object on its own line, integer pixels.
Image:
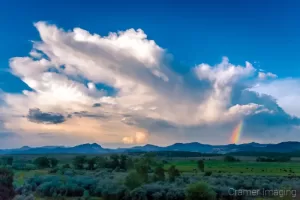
[{"x": 137, "y": 72}]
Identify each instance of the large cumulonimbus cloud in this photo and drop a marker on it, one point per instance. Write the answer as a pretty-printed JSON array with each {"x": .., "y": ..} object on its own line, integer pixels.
[{"x": 73, "y": 73}]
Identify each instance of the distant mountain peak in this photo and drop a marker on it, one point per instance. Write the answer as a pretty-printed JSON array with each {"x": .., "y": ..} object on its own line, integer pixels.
[
  {"x": 89, "y": 145},
  {"x": 290, "y": 142},
  {"x": 150, "y": 145},
  {"x": 25, "y": 147},
  {"x": 95, "y": 145}
]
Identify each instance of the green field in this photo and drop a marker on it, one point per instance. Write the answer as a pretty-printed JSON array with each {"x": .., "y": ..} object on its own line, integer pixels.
[{"x": 243, "y": 167}]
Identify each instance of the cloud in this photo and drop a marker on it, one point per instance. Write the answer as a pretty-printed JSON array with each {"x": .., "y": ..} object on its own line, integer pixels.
[
  {"x": 263, "y": 76},
  {"x": 37, "y": 116},
  {"x": 138, "y": 138},
  {"x": 7, "y": 135},
  {"x": 285, "y": 91},
  {"x": 97, "y": 105},
  {"x": 35, "y": 54},
  {"x": 71, "y": 72}
]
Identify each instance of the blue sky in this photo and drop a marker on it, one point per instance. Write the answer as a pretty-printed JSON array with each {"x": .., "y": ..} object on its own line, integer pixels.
[{"x": 264, "y": 33}]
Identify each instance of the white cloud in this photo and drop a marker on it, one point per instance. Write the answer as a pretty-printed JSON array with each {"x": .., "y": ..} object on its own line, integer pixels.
[
  {"x": 222, "y": 78},
  {"x": 285, "y": 91},
  {"x": 138, "y": 138},
  {"x": 136, "y": 68},
  {"x": 35, "y": 54},
  {"x": 263, "y": 76}
]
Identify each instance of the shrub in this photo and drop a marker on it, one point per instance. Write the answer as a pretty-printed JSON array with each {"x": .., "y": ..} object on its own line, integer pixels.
[
  {"x": 69, "y": 172},
  {"x": 138, "y": 194},
  {"x": 129, "y": 163},
  {"x": 123, "y": 162},
  {"x": 91, "y": 163},
  {"x": 230, "y": 159},
  {"x": 7, "y": 160},
  {"x": 142, "y": 169},
  {"x": 133, "y": 180},
  {"x": 86, "y": 194},
  {"x": 209, "y": 173},
  {"x": 6, "y": 184},
  {"x": 159, "y": 174},
  {"x": 173, "y": 173},
  {"x": 157, "y": 196},
  {"x": 201, "y": 191},
  {"x": 101, "y": 162},
  {"x": 55, "y": 188},
  {"x": 85, "y": 182},
  {"x": 23, "y": 166},
  {"x": 114, "y": 192},
  {"x": 42, "y": 162},
  {"x": 53, "y": 162},
  {"x": 79, "y": 161},
  {"x": 66, "y": 166},
  {"x": 175, "y": 194},
  {"x": 24, "y": 197},
  {"x": 200, "y": 164},
  {"x": 114, "y": 161},
  {"x": 109, "y": 190},
  {"x": 53, "y": 171}
]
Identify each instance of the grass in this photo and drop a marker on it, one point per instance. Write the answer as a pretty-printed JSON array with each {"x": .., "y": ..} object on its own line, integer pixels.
[{"x": 243, "y": 167}]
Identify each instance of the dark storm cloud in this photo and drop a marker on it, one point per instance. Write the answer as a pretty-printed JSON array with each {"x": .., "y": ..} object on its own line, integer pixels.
[
  {"x": 37, "y": 116},
  {"x": 97, "y": 105},
  {"x": 90, "y": 115}
]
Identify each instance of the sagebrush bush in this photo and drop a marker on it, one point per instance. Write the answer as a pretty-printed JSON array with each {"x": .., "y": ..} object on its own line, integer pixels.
[
  {"x": 138, "y": 194},
  {"x": 24, "y": 197},
  {"x": 200, "y": 190},
  {"x": 6, "y": 184},
  {"x": 133, "y": 180},
  {"x": 86, "y": 182},
  {"x": 175, "y": 194},
  {"x": 52, "y": 189},
  {"x": 23, "y": 166}
]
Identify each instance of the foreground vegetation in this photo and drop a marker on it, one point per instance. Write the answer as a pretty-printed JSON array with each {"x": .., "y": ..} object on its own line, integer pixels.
[{"x": 143, "y": 177}]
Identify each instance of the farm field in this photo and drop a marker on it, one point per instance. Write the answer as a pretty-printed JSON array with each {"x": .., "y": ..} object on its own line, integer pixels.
[{"x": 242, "y": 167}]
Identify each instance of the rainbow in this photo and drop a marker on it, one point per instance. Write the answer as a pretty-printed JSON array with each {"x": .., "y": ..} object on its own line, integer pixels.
[{"x": 236, "y": 134}]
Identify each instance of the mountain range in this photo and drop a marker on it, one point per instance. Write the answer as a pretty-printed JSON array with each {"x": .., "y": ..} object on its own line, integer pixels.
[{"x": 94, "y": 148}]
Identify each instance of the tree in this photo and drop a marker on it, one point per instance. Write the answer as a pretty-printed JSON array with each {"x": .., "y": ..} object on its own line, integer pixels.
[
  {"x": 79, "y": 161},
  {"x": 133, "y": 180},
  {"x": 230, "y": 159},
  {"x": 129, "y": 163},
  {"x": 173, "y": 173},
  {"x": 201, "y": 191},
  {"x": 53, "y": 162},
  {"x": 42, "y": 162},
  {"x": 142, "y": 169},
  {"x": 149, "y": 159},
  {"x": 101, "y": 162},
  {"x": 123, "y": 162},
  {"x": 159, "y": 174},
  {"x": 201, "y": 165},
  {"x": 6, "y": 184},
  {"x": 114, "y": 161},
  {"x": 91, "y": 163},
  {"x": 66, "y": 166},
  {"x": 8, "y": 160}
]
